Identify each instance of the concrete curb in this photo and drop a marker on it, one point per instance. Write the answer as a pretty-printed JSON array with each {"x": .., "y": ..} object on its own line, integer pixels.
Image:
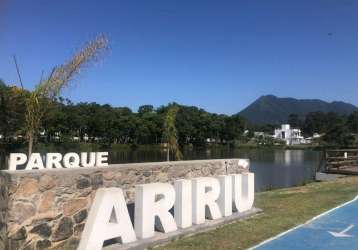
[{"x": 161, "y": 238}]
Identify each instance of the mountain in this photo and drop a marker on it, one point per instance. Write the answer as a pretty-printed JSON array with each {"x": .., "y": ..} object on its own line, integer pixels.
[{"x": 275, "y": 110}]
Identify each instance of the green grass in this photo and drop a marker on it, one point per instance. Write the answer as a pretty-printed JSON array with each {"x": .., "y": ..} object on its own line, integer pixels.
[{"x": 282, "y": 209}]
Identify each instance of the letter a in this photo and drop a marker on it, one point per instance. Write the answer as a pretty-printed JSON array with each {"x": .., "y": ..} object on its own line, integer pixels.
[{"x": 108, "y": 219}]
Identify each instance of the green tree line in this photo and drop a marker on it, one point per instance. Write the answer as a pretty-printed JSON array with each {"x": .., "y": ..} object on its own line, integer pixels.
[
  {"x": 339, "y": 130},
  {"x": 93, "y": 122}
]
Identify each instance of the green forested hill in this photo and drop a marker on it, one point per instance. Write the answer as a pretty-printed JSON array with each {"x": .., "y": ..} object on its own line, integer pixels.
[{"x": 274, "y": 110}]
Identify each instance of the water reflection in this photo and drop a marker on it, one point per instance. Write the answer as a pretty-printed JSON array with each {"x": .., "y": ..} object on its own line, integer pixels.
[
  {"x": 273, "y": 168},
  {"x": 289, "y": 157},
  {"x": 289, "y": 168}
]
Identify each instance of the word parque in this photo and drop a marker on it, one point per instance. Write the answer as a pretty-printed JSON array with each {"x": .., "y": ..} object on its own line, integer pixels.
[
  {"x": 56, "y": 160},
  {"x": 193, "y": 200}
]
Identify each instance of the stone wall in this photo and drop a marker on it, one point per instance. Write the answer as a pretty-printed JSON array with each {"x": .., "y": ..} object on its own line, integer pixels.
[
  {"x": 4, "y": 191},
  {"x": 47, "y": 209}
]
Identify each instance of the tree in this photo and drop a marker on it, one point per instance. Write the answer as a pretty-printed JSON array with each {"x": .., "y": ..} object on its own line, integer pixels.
[
  {"x": 12, "y": 109},
  {"x": 187, "y": 124},
  {"x": 61, "y": 77},
  {"x": 339, "y": 136},
  {"x": 145, "y": 109},
  {"x": 217, "y": 127},
  {"x": 170, "y": 133},
  {"x": 104, "y": 123},
  {"x": 294, "y": 121},
  {"x": 234, "y": 127},
  {"x": 352, "y": 122},
  {"x": 315, "y": 122}
]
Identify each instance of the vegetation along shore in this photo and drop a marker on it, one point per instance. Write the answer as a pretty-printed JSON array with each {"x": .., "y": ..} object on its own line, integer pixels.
[{"x": 65, "y": 121}]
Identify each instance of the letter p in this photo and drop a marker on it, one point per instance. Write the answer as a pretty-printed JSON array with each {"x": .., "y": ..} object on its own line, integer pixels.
[{"x": 16, "y": 159}]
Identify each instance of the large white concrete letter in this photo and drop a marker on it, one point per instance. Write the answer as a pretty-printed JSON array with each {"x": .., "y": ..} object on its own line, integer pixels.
[
  {"x": 183, "y": 203},
  {"x": 243, "y": 191},
  {"x": 225, "y": 198},
  {"x": 101, "y": 159},
  {"x": 85, "y": 162},
  {"x": 71, "y": 160},
  {"x": 108, "y": 219},
  {"x": 53, "y": 160},
  {"x": 16, "y": 159},
  {"x": 152, "y": 204},
  {"x": 206, "y": 191},
  {"x": 35, "y": 162}
]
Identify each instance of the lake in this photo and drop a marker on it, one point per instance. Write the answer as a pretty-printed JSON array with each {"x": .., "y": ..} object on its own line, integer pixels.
[{"x": 273, "y": 168}]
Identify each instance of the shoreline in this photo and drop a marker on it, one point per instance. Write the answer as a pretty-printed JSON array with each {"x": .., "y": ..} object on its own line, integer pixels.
[{"x": 97, "y": 145}]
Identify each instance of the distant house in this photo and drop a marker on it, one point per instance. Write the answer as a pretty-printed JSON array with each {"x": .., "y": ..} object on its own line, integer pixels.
[
  {"x": 291, "y": 136},
  {"x": 313, "y": 138},
  {"x": 316, "y": 136},
  {"x": 259, "y": 133},
  {"x": 57, "y": 135},
  {"x": 76, "y": 138},
  {"x": 18, "y": 137},
  {"x": 210, "y": 140}
]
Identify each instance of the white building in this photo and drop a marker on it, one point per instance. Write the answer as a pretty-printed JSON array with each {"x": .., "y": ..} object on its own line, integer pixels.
[
  {"x": 258, "y": 134},
  {"x": 291, "y": 136},
  {"x": 316, "y": 136},
  {"x": 313, "y": 138}
]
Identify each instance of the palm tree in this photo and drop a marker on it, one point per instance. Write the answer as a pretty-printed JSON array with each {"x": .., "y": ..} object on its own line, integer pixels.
[
  {"x": 61, "y": 77},
  {"x": 170, "y": 133}
]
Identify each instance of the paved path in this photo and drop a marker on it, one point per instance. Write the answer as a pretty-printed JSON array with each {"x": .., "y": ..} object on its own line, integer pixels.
[
  {"x": 336, "y": 229},
  {"x": 328, "y": 177}
]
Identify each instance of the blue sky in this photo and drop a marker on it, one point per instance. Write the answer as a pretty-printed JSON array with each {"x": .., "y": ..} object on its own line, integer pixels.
[{"x": 218, "y": 55}]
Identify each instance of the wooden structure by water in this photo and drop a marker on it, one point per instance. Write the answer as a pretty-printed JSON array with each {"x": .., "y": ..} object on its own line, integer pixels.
[{"x": 341, "y": 161}]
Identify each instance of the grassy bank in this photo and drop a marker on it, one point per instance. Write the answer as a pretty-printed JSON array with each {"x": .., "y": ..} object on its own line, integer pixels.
[{"x": 283, "y": 209}]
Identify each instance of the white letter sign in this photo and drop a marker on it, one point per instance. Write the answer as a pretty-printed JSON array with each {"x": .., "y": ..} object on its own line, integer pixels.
[
  {"x": 193, "y": 201},
  {"x": 108, "y": 219},
  {"x": 55, "y": 160},
  {"x": 16, "y": 159},
  {"x": 152, "y": 204},
  {"x": 243, "y": 186},
  {"x": 183, "y": 203},
  {"x": 35, "y": 162},
  {"x": 225, "y": 198},
  {"x": 206, "y": 191}
]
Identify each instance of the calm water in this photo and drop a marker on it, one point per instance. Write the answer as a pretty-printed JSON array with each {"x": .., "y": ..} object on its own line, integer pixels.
[{"x": 274, "y": 168}]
